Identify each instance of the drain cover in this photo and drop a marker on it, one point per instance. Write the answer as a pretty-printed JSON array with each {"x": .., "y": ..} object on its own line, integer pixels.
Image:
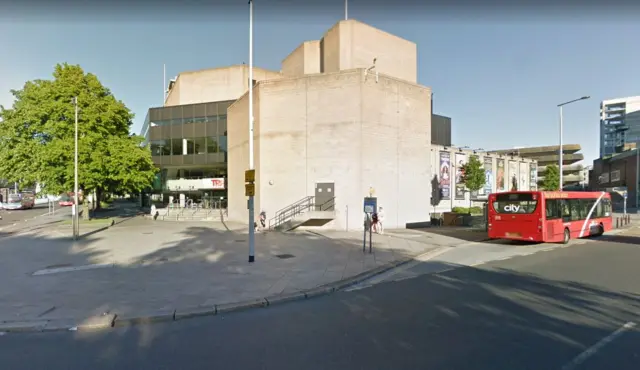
[
  {"x": 284, "y": 256},
  {"x": 240, "y": 241}
]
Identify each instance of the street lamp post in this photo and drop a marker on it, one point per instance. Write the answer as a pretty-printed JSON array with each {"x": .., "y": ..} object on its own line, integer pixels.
[
  {"x": 560, "y": 149},
  {"x": 252, "y": 237},
  {"x": 76, "y": 226}
]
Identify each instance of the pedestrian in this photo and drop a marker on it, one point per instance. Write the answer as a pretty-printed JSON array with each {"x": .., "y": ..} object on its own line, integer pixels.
[
  {"x": 263, "y": 219},
  {"x": 374, "y": 222},
  {"x": 380, "y": 220}
]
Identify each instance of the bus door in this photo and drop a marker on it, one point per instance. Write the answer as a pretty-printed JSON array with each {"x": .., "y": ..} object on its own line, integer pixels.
[
  {"x": 516, "y": 217},
  {"x": 556, "y": 214}
]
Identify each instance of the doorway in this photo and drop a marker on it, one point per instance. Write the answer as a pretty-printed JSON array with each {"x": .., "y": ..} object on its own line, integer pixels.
[{"x": 325, "y": 192}]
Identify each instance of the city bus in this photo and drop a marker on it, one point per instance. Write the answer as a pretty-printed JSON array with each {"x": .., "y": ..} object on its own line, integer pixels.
[{"x": 548, "y": 216}]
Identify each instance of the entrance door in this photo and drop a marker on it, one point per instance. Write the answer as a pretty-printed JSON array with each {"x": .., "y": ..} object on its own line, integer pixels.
[{"x": 324, "y": 195}]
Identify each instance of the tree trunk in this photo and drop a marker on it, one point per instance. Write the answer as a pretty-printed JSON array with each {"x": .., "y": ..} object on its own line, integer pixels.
[{"x": 98, "y": 198}]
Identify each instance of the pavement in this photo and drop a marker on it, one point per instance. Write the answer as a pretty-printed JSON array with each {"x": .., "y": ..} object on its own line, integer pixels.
[
  {"x": 568, "y": 308},
  {"x": 140, "y": 270}
]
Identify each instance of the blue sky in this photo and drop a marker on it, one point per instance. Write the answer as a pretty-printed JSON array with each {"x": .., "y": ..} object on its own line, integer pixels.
[{"x": 499, "y": 75}]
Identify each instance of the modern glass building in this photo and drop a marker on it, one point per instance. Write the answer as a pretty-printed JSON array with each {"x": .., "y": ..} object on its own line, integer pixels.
[{"x": 189, "y": 145}]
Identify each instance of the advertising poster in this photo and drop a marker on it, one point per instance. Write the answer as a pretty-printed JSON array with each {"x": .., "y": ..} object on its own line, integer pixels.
[
  {"x": 524, "y": 176},
  {"x": 445, "y": 175},
  {"x": 488, "y": 176},
  {"x": 461, "y": 160},
  {"x": 513, "y": 176},
  {"x": 533, "y": 177},
  {"x": 500, "y": 177}
]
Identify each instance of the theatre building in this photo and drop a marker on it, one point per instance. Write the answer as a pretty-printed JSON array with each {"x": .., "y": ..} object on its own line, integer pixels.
[{"x": 343, "y": 118}]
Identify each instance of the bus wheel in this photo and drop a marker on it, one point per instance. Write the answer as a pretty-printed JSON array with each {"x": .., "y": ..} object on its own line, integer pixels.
[{"x": 567, "y": 236}]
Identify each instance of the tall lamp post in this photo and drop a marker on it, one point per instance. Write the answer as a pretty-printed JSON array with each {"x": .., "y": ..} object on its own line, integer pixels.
[
  {"x": 252, "y": 237},
  {"x": 560, "y": 149},
  {"x": 76, "y": 226}
]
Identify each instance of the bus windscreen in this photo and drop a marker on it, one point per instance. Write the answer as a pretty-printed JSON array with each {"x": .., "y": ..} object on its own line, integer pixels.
[{"x": 515, "y": 203}]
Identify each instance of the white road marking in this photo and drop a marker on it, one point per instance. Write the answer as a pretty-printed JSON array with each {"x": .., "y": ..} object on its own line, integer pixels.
[
  {"x": 598, "y": 346},
  {"x": 72, "y": 268}
]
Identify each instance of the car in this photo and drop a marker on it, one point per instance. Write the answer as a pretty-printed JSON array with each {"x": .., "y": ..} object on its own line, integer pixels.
[
  {"x": 19, "y": 201},
  {"x": 65, "y": 200}
]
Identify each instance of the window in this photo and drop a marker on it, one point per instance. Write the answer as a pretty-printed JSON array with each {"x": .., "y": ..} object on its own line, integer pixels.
[
  {"x": 552, "y": 209},
  {"x": 176, "y": 147},
  {"x": 515, "y": 203},
  {"x": 160, "y": 147},
  {"x": 223, "y": 143},
  {"x": 212, "y": 144},
  {"x": 200, "y": 145}
]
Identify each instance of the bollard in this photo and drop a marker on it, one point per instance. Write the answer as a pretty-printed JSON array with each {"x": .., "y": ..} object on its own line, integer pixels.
[{"x": 617, "y": 222}]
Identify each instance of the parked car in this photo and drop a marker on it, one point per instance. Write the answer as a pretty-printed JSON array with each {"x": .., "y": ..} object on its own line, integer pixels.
[{"x": 19, "y": 201}]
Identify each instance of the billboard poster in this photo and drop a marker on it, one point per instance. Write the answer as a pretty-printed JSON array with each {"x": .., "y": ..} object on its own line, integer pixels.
[
  {"x": 533, "y": 177},
  {"x": 513, "y": 175},
  {"x": 524, "y": 177},
  {"x": 488, "y": 176},
  {"x": 461, "y": 160},
  {"x": 445, "y": 175},
  {"x": 500, "y": 177}
]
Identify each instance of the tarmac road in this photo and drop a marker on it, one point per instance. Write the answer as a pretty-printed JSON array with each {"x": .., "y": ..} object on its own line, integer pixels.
[
  {"x": 11, "y": 216},
  {"x": 572, "y": 308}
]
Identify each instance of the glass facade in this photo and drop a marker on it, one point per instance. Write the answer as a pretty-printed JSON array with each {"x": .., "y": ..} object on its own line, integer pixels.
[{"x": 188, "y": 142}]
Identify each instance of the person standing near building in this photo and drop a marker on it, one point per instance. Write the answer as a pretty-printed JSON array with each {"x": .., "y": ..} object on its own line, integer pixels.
[{"x": 380, "y": 222}]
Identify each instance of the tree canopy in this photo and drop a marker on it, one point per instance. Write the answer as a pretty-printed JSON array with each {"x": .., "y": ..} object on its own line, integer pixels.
[
  {"x": 551, "y": 178},
  {"x": 37, "y": 137},
  {"x": 473, "y": 176}
]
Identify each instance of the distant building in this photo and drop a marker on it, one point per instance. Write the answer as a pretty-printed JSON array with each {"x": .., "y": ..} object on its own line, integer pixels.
[
  {"x": 619, "y": 124},
  {"x": 572, "y": 171},
  {"x": 617, "y": 171}
]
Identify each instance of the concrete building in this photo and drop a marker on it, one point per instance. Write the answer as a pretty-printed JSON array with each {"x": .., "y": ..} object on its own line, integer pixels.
[
  {"x": 347, "y": 118},
  {"x": 503, "y": 172},
  {"x": 619, "y": 124},
  {"x": 188, "y": 135},
  {"x": 572, "y": 171}
]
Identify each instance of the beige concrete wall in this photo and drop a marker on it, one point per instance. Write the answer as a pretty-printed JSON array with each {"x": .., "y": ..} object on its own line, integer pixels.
[
  {"x": 351, "y": 44},
  {"x": 217, "y": 84},
  {"x": 303, "y": 61},
  {"x": 340, "y": 128}
]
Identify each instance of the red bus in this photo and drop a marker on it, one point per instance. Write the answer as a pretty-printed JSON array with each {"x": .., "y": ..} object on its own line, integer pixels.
[{"x": 548, "y": 216}]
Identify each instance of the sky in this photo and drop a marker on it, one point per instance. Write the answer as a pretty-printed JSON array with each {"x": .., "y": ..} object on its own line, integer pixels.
[{"x": 498, "y": 73}]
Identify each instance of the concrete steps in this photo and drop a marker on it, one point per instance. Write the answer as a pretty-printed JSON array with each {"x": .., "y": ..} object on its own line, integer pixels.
[{"x": 310, "y": 218}]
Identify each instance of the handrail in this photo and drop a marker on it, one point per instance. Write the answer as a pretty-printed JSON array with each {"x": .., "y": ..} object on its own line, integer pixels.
[
  {"x": 326, "y": 205},
  {"x": 291, "y": 211},
  {"x": 292, "y": 205}
]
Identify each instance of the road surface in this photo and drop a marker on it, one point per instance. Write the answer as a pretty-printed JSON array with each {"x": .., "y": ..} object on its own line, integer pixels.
[
  {"x": 11, "y": 216},
  {"x": 572, "y": 308}
]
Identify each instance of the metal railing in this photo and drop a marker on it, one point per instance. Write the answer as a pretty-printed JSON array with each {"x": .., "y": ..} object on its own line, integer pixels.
[{"x": 303, "y": 205}]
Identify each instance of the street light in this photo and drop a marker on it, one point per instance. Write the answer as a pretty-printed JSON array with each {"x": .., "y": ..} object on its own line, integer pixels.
[
  {"x": 252, "y": 237},
  {"x": 76, "y": 226},
  {"x": 560, "y": 150}
]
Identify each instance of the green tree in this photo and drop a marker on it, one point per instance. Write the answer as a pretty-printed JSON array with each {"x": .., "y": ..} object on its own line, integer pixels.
[
  {"x": 473, "y": 176},
  {"x": 551, "y": 178},
  {"x": 37, "y": 137}
]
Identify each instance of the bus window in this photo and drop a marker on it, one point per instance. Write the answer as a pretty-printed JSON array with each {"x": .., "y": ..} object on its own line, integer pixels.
[
  {"x": 552, "y": 209},
  {"x": 566, "y": 211},
  {"x": 515, "y": 203}
]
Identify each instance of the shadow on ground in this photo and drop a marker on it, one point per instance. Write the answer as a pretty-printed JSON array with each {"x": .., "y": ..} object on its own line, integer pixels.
[{"x": 467, "y": 318}]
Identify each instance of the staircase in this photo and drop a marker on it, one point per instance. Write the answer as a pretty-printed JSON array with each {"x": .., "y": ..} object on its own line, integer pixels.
[
  {"x": 305, "y": 212},
  {"x": 190, "y": 214}
]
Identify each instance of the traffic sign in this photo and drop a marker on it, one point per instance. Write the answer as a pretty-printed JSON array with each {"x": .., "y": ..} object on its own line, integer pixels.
[
  {"x": 250, "y": 176},
  {"x": 370, "y": 204},
  {"x": 249, "y": 190}
]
